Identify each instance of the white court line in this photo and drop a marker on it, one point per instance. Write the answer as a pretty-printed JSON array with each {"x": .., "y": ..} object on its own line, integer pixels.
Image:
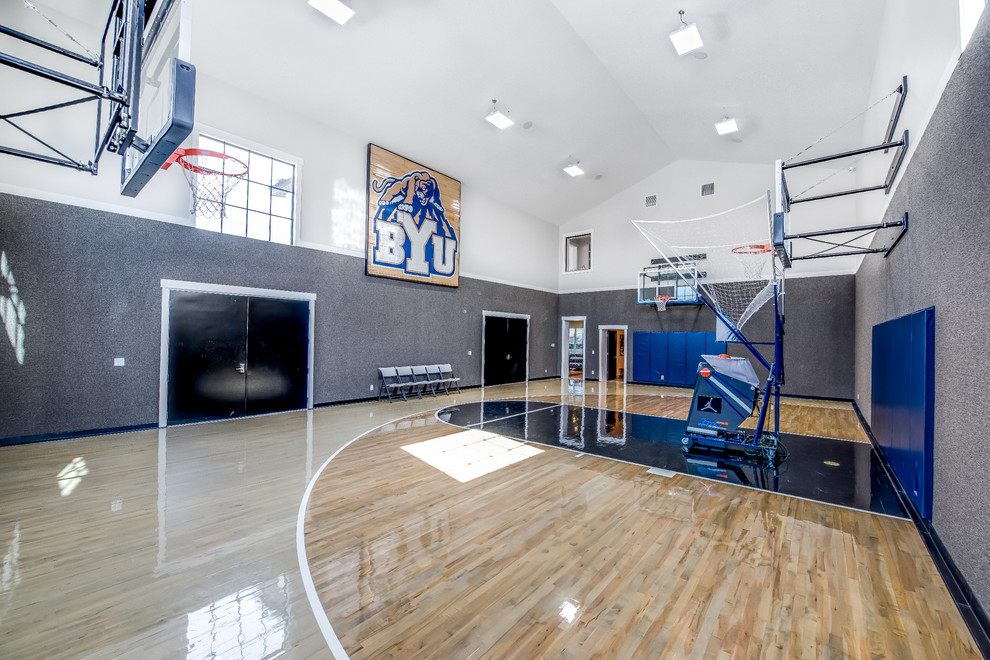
[{"x": 333, "y": 642}]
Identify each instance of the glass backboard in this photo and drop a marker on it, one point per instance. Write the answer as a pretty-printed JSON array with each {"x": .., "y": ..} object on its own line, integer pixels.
[
  {"x": 680, "y": 284},
  {"x": 167, "y": 93}
]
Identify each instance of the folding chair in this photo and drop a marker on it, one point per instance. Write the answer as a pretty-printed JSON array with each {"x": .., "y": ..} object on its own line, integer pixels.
[
  {"x": 390, "y": 384},
  {"x": 407, "y": 379},
  {"x": 422, "y": 378},
  {"x": 433, "y": 373},
  {"x": 448, "y": 373}
]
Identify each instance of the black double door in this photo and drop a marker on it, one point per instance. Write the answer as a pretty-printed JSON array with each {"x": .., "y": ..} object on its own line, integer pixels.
[
  {"x": 505, "y": 350},
  {"x": 230, "y": 356}
]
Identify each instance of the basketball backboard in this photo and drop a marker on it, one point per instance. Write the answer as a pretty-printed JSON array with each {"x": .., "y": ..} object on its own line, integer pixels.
[
  {"x": 166, "y": 94},
  {"x": 680, "y": 284},
  {"x": 139, "y": 82}
]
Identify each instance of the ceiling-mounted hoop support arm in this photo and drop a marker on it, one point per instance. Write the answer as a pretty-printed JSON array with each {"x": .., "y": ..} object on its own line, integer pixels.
[
  {"x": 863, "y": 231},
  {"x": 784, "y": 199},
  {"x": 895, "y": 113},
  {"x": 895, "y": 165},
  {"x": 126, "y": 19},
  {"x": 40, "y": 43}
]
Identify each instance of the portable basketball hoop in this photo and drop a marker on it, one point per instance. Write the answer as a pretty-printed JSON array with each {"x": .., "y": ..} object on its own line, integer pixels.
[
  {"x": 661, "y": 302},
  {"x": 211, "y": 176}
]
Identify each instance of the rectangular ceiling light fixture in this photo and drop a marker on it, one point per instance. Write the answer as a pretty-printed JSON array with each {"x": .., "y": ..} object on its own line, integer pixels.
[
  {"x": 726, "y": 126},
  {"x": 499, "y": 120},
  {"x": 686, "y": 38},
  {"x": 334, "y": 9},
  {"x": 574, "y": 170}
]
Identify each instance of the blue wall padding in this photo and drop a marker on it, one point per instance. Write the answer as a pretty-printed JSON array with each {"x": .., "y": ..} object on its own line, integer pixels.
[
  {"x": 903, "y": 404},
  {"x": 671, "y": 358},
  {"x": 658, "y": 358},
  {"x": 694, "y": 349},
  {"x": 676, "y": 359},
  {"x": 641, "y": 356}
]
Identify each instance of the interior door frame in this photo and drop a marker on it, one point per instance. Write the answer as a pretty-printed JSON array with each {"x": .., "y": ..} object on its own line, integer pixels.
[
  {"x": 202, "y": 287},
  {"x": 603, "y": 349},
  {"x": 505, "y": 315},
  {"x": 565, "y": 357}
]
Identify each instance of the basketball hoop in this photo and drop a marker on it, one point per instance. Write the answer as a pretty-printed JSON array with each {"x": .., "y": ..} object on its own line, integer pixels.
[
  {"x": 752, "y": 249},
  {"x": 211, "y": 176},
  {"x": 661, "y": 302},
  {"x": 748, "y": 256}
]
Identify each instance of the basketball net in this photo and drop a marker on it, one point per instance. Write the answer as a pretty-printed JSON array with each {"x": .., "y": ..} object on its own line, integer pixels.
[
  {"x": 732, "y": 248},
  {"x": 661, "y": 302},
  {"x": 211, "y": 176}
]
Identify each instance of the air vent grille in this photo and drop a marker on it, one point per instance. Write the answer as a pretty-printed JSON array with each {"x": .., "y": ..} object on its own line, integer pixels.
[
  {"x": 651, "y": 200},
  {"x": 707, "y": 189}
]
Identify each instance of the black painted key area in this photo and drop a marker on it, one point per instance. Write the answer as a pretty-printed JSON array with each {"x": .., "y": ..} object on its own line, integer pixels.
[{"x": 821, "y": 469}]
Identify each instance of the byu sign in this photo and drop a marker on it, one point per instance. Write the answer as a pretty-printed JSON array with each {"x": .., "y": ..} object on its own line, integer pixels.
[{"x": 413, "y": 221}]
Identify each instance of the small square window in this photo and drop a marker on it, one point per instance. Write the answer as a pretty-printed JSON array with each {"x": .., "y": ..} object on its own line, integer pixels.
[{"x": 577, "y": 253}]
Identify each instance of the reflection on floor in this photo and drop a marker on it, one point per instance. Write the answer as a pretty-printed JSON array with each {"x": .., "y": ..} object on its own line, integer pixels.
[
  {"x": 823, "y": 469},
  {"x": 181, "y": 543},
  {"x": 428, "y": 540}
]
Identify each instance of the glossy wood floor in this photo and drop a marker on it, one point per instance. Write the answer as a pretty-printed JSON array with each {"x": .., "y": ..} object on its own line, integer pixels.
[
  {"x": 182, "y": 543},
  {"x": 557, "y": 554}
]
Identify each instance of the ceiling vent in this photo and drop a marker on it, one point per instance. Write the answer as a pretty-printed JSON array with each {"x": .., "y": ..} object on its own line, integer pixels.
[
  {"x": 651, "y": 200},
  {"x": 707, "y": 189}
]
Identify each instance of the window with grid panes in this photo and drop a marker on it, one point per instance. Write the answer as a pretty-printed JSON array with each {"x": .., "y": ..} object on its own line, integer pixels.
[{"x": 262, "y": 205}]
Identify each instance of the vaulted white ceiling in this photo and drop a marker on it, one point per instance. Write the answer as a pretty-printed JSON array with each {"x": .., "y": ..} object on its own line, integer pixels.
[{"x": 599, "y": 81}]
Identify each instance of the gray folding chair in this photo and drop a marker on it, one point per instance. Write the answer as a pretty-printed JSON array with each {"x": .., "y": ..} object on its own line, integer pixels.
[
  {"x": 448, "y": 373},
  {"x": 390, "y": 384},
  {"x": 422, "y": 379},
  {"x": 437, "y": 379},
  {"x": 407, "y": 379}
]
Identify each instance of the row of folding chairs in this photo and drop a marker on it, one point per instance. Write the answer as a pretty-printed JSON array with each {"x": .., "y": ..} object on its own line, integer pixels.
[{"x": 402, "y": 381}]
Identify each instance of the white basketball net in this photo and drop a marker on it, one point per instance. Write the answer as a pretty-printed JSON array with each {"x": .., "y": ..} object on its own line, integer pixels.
[
  {"x": 736, "y": 272},
  {"x": 213, "y": 181}
]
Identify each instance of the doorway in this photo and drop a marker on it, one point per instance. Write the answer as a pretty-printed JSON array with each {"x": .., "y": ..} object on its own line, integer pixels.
[
  {"x": 572, "y": 347},
  {"x": 226, "y": 353},
  {"x": 505, "y": 348},
  {"x": 612, "y": 353}
]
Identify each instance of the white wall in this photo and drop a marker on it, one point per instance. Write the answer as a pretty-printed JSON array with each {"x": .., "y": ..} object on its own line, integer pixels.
[
  {"x": 499, "y": 243},
  {"x": 619, "y": 251},
  {"x": 920, "y": 40}
]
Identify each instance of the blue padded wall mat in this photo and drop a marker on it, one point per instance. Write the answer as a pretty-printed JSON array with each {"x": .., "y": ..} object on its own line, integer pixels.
[
  {"x": 641, "y": 356},
  {"x": 903, "y": 416},
  {"x": 671, "y": 358},
  {"x": 676, "y": 359}
]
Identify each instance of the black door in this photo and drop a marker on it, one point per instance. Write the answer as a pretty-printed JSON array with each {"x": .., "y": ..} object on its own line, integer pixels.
[
  {"x": 207, "y": 335},
  {"x": 233, "y": 355},
  {"x": 277, "y": 355},
  {"x": 505, "y": 350}
]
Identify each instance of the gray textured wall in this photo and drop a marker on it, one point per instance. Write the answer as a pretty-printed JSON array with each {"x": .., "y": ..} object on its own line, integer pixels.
[
  {"x": 90, "y": 281},
  {"x": 942, "y": 261},
  {"x": 819, "y": 325}
]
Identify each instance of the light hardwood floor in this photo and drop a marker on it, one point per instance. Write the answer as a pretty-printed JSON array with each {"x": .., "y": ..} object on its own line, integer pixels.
[
  {"x": 181, "y": 543},
  {"x": 570, "y": 555}
]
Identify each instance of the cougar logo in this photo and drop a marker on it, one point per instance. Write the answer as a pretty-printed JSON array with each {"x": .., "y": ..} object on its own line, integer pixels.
[{"x": 411, "y": 228}]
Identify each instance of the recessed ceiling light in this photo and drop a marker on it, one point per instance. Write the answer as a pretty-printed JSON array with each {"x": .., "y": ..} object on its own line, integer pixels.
[
  {"x": 498, "y": 119},
  {"x": 687, "y": 37},
  {"x": 334, "y": 9},
  {"x": 574, "y": 170},
  {"x": 726, "y": 125}
]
